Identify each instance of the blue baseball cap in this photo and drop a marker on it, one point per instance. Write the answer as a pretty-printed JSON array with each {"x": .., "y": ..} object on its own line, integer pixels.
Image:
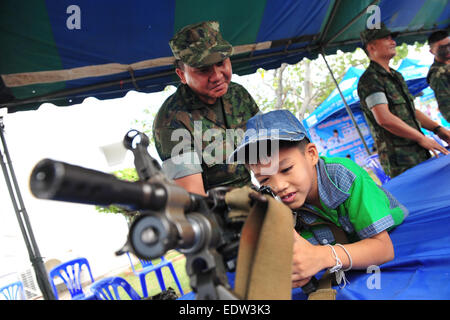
[{"x": 273, "y": 125}]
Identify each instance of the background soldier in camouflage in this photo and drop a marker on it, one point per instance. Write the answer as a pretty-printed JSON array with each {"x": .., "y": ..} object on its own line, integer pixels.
[
  {"x": 439, "y": 74},
  {"x": 389, "y": 108},
  {"x": 192, "y": 128}
]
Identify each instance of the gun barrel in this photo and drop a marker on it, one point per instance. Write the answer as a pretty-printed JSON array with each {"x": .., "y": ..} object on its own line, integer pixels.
[{"x": 58, "y": 180}]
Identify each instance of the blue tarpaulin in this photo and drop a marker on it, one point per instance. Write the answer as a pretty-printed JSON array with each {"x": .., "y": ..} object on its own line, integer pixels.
[{"x": 421, "y": 267}]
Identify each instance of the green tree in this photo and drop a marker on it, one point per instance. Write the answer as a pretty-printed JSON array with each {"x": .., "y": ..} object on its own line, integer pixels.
[
  {"x": 302, "y": 87},
  {"x": 145, "y": 123},
  {"x": 128, "y": 174}
]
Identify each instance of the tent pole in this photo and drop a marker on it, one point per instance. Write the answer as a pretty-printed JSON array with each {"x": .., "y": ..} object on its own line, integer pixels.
[
  {"x": 24, "y": 223},
  {"x": 347, "y": 108},
  {"x": 350, "y": 23},
  {"x": 330, "y": 20}
]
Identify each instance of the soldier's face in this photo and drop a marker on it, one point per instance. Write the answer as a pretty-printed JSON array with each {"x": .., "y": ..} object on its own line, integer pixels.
[
  {"x": 294, "y": 178},
  {"x": 383, "y": 48},
  {"x": 209, "y": 83},
  {"x": 434, "y": 48}
]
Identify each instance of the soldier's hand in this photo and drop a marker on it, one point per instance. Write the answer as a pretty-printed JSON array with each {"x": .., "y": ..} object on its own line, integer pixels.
[
  {"x": 432, "y": 145},
  {"x": 444, "y": 134}
]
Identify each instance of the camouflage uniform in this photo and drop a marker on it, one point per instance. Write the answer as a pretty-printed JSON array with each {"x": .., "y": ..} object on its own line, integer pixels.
[
  {"x": 439, "y": 80},
  {"x": 376, "y": 86},
  {"x": 182, "y": 110},
  {"x": 193, "y": 137}
]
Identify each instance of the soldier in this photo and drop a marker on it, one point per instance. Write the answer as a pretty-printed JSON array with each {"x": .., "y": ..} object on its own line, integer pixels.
[
  {"x": 439, "y": 74},
  {"x": 389, "y": 109},
  {"x": 192, "y": 128}
]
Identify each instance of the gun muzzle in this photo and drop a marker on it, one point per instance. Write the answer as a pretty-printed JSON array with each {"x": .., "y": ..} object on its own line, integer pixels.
[{"x": 61, "y": 181}]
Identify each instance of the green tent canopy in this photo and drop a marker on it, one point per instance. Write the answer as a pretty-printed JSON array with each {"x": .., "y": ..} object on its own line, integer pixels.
[{"x": 63, "y": 51}]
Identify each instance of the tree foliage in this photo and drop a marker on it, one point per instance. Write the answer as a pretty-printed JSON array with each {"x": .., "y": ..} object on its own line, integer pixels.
[
  {"x": 145, "y": 124},
  {"x": 302, "y": 87},
  {"x": 128, "y": 174}
]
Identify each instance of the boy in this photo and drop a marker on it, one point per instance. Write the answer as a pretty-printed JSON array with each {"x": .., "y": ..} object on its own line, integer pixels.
[{"x": 336, "y": 189}]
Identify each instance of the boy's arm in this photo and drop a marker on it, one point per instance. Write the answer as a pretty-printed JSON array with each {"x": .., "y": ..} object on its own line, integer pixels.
[
  {"x": 372, "y": 211},
  {"x": 308, "y": 259},
  {"x": 371, "y": 251}
]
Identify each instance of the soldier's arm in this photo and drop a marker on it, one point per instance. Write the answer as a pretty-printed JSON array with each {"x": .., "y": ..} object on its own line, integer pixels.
[
  {"x": 425, "y": 121},
  {"x": 397, "y": 126},
  {"x": 180, "y": 162},
  {"x": 192, "y": 183},
  {"x": 394, "y": 124},
  {"x": 429, "y": 124}
]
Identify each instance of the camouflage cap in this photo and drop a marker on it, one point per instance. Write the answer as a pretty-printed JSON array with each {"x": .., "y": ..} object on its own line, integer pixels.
[
  {"x": 373, "y": 34},
  {"x": 200, "y": 44}
]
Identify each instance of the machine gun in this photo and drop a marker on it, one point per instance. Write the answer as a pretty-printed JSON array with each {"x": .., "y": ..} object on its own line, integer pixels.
[{"x": 170, "y": 217}]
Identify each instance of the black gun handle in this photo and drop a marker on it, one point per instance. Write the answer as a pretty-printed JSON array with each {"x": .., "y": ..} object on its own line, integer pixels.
[{"x": 311, "y": 286}]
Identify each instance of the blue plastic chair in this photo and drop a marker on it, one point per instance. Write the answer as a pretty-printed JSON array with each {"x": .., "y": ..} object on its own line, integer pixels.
[
  {"x": 108, "y": 289},
  {"x": 148, "y": 267},
  {"x": 373, "y": 163},
  {"x": 13, "y": 291},
  {"x": 70, "y": 273}
]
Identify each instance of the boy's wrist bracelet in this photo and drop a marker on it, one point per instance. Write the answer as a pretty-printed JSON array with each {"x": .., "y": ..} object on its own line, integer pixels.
[
  {"x": 337, "y": 269},
  {"x": 338, "y": 265},
  {"x": 348, "y": 255}
]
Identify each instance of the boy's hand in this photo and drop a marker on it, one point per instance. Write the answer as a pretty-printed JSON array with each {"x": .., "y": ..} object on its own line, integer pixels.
[
  {"x": 300, "y": 283},
  {"x": 307, "y": 260}
]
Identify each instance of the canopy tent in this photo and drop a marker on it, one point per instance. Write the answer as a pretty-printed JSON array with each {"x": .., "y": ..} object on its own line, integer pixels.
[
  {"x": 330, "y": 116},
  {"x": 414, "y": 72},
  {"x": 427, "y": 95},
  {"x": 64, "y": 51},
  {"x": 333, "y": 103},
  {"x": 330, "y": 127}
]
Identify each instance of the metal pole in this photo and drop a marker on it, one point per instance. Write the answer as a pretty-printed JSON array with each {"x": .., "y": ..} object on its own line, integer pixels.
[
  {"x": 347, "y": 108},
  {"x": 24, "y": 223},
  {"x": 350, "y": 23}
]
